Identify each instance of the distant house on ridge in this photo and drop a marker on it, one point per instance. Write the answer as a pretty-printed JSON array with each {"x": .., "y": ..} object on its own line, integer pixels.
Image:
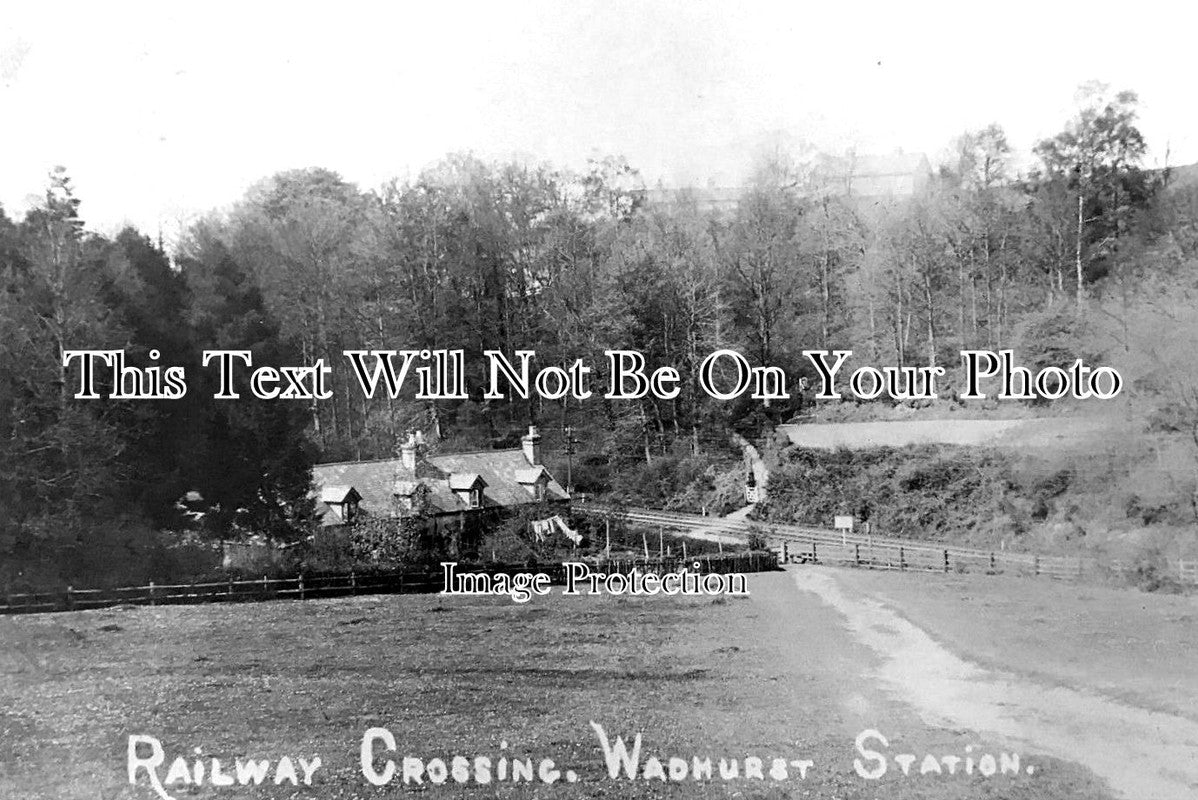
[{"x": 896, "y": 176}]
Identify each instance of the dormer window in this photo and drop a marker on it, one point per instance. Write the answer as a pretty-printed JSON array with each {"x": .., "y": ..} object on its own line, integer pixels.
[
  {"x": 405, "y": 496},
  {"x": 468, "y": 488},
  {"x": 342, "y": 503},
  {"x": 535, "y": 480}
]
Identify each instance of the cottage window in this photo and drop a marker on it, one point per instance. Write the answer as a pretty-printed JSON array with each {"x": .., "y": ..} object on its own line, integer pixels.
[{"x": 476, "y": 498}]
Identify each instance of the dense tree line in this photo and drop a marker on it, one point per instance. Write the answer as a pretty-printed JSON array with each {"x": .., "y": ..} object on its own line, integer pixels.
[{"x": 476, "y": 255}]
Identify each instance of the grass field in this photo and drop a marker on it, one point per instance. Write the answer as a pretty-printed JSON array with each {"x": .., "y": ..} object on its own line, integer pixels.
[
  {"x": 1021, "y": 434},
  {"x": 1127, "y": 644},
  {"x": 772, "y": 675}
]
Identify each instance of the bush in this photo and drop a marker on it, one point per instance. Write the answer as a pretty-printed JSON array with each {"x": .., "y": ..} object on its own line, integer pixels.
[
  {"x": 684, "y": 482},
  {"x": 929, "y": 492},
  {"x": 396, "y": 542},
  {"x": 757, "y": 538},
  {"x": 1149, "y": 570},
  {"x": 262, "y": 559},
  {"x": 514, "y": 542}
]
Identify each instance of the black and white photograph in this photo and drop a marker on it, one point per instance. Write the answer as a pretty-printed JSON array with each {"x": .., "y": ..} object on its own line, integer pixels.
[{"x": 559, "y": 400}]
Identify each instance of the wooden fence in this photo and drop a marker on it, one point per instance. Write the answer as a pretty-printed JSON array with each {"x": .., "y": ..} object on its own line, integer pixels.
[
  {"x": 827, "y": 546},
  {"x": 304, "y": 587}
]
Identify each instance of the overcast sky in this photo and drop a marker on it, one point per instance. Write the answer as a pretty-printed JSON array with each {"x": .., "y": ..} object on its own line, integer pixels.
[{"x": 161, "y": 111}]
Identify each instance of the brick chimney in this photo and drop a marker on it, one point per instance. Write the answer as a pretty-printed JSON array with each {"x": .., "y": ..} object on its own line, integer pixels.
[
  {"x": 532, "y": 445},
  {"x": 407, "y": 452}
]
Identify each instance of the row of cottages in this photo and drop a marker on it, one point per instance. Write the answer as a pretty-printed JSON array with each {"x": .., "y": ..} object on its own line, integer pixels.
[
  {"x": 872, "y": 179},
  {"x": 897, "y": 176},
  {"x": 453, "y": 491}
]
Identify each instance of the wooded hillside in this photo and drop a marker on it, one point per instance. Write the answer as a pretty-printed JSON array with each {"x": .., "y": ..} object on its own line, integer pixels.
[{"x": 1087, "y": 254}]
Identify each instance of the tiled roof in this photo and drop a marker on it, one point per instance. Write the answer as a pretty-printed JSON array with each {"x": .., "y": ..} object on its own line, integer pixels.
[
  {"x": 898, "y": 174},
  {"x": 374, "y": 480},
  {"x": 336, "y": 493},
  {"x": 465, "y": 481},
  {"x": 889, "y": 165},
  {"x": 531, "y": 474},
  {"x": 499, "y": 469}
]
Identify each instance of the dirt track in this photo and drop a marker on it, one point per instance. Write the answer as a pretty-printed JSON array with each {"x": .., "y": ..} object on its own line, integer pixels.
[{"x": 1144, "y": 755}]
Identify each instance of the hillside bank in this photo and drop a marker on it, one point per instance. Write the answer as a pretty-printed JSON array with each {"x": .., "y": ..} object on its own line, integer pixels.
[{"x": 1064, "y": 486}]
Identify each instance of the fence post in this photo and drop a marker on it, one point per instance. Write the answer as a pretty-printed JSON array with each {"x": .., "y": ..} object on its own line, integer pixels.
[
  {"x": 230, "y": 588},
  {"x": 151, "y": 592},
  {"x": 70, "y": 599},
  {"x": 946, "y": 561},
  {"x": 300, "y": 582},
  {"x": 1036, "y": 564},
  {"x": 992, "y": 569},
  {"x": 857, "y": 555},
  {"x": 353, "y": 582},
  {"x": 814, "y": 554},
  {"x": 264, "y": 587},
  {"x": 902, "y": 560},
  {"x": 785, "y": 557}
]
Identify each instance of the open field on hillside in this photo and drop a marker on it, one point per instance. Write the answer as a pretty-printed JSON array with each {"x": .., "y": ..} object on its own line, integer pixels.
[
  {"x": 774, "y": 675},
  {"x": 1022, "y": 434},
  {"x": 1123, "y": 643},
  {"x": 1098, "y": 485}
]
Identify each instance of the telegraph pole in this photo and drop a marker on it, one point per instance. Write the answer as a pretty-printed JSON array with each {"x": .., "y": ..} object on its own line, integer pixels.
[{"x": 571, "y": 444}]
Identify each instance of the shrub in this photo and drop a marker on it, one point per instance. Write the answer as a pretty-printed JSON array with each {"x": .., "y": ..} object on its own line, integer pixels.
[
  {"x": 1149, "y": 570},
  {"x": 395, "y": 542},
  {"x": 683, "y": 481},
  {"x": 757, "y": 538},
  {"x": 928, "y": 492}
]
